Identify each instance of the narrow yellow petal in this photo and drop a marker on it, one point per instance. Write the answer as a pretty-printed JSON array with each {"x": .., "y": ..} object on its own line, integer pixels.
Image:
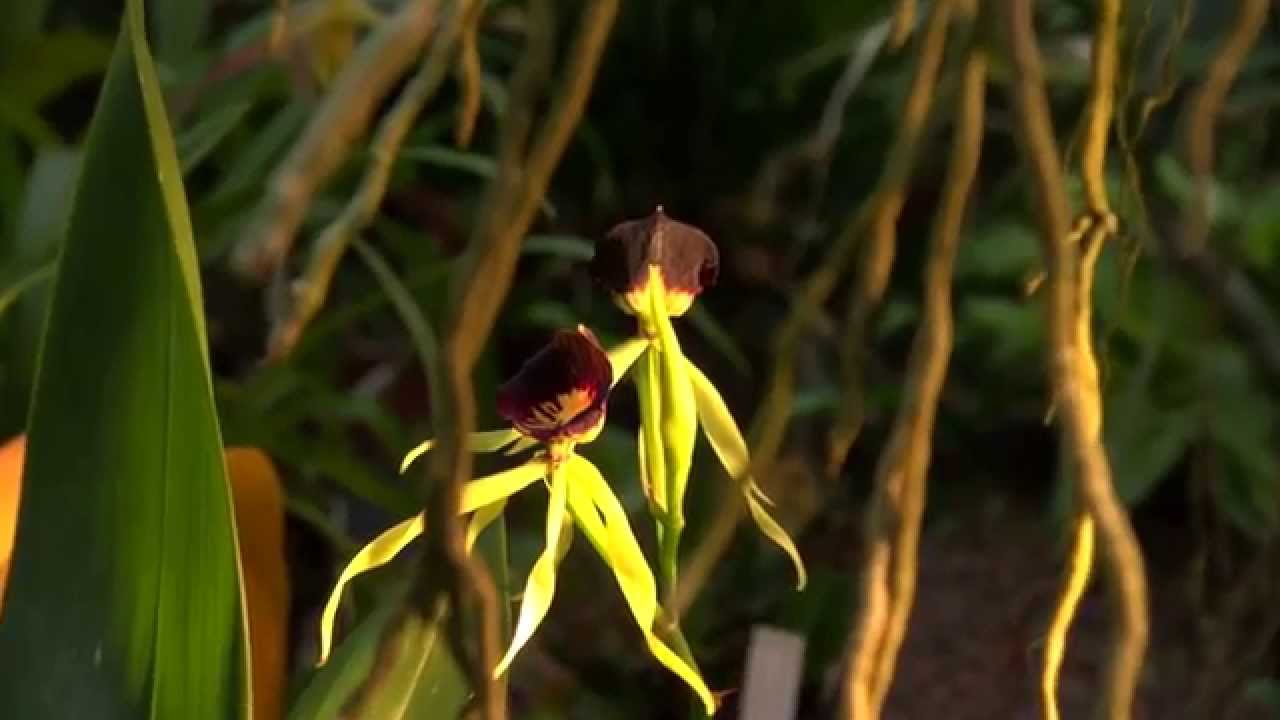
[
  {"x": 779, "y": 536},
  {"x": 622, "y": 357},
  {"x": 480, "y": 442},
  {"x": 679, "y": 414},
  {"x": 602, "y": 517},
  {"x": 481, "y": 519},
  {"x": 377, "y": 553},
  {"x": 729, "y": 445},
  {"x": 541, "y": 585},
  {"x": 499, "y": 486},
  {"x": 519, "y": 446},
  {"x": 649, "y": 388}
]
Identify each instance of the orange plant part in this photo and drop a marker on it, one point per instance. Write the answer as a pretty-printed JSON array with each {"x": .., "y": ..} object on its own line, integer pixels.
[{"x": 258, "y": 497}]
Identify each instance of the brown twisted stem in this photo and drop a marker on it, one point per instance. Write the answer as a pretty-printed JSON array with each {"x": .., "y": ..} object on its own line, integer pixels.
[
  {"x": 342, "y": 118},
  {"x": 486, "y": 274},
  {"x": 1071, "y": 371},
  {"x": 897, "y": 507}
]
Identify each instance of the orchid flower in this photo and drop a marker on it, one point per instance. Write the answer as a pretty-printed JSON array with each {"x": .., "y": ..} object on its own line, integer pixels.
[
  {"x": 655, "y": 267},
  {"x": 556, "y": 401}
]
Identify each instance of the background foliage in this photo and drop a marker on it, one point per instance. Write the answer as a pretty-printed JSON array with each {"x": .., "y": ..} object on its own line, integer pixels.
[{"x": 764, "y": 124}]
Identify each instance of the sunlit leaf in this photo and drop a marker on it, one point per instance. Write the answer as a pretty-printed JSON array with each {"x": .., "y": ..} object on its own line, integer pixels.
[
  {"x": 541, "y": 585},
  {"x": 604, "y": 521},
  {"x": 377, "y": 553},
  {"x": 729, "y": 445},
  {"x": 124, "y": 593},
  {"x": 479, "y": 442}
]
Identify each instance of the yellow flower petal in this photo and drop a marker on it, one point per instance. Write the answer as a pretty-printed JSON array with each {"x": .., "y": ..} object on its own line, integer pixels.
[
  {"x": 624, "y": 356},
  {"x": 727, "y": 441},
  {"x": 480, "y": 442},
  {"x": 541, "y": 585},
  {"x": 481, "y": 519},
  {"x": 377, "y": 553},
  {"x": 604, "y": 520},
  {"x": 492, "y": 488},
  {"x": 679, "y": 415},
  {"x": 654, "y": 466},
  {"x": 519, "y": 446}
]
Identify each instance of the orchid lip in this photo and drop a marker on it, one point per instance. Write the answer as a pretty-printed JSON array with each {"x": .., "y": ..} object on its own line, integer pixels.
[
  {"x": 685, "y": 256},
  {"x": 560, "y": 392}
]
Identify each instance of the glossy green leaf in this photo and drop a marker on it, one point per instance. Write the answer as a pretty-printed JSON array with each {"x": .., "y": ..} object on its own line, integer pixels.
[
  {"x": 604, "y": 521},
  {"x": 124, "y": 598},
  {"x": 729, "y": 445},
  {"x": 541, "y": 585}
]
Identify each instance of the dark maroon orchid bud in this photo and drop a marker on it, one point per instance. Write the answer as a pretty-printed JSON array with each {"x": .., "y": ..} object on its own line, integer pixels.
[
  {"x": 686, "y": 259},
  {"x": 559, "y": 393}
]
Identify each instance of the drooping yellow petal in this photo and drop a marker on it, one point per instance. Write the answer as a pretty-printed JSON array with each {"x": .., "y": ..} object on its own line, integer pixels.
[
  {"x": 480, "y": 442},
  {"x": 499, "y": 486},
  {"x": 377, "y": 553},
  {"x": 603, "y": 519},
  {"x": 729, "y": 445},
  {"x": 541, "y": 585},
  {"x": 624, "y": 356},
  {"x": 481, "y": 519},
  {"x": 679, "y": 414}
]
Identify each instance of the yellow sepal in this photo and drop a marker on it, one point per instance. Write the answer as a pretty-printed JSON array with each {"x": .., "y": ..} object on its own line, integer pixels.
[
  {"x": 489, "y": 489},
  {"x": 480, "y": 442}
]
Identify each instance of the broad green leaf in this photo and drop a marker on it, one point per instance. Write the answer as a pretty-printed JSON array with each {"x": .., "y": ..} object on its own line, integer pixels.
[
  {"x": 380, "y": 551},
  {"x": 394, "y": 660},
  {"x": 604, "y": 521},
  {"x": 499, "y": 486},
  {"x": 729, "y": 445},
  {"x": 479, "y": 442},
  {"x": 541, "y": 585},
  {"x": 124, "y": 600}
]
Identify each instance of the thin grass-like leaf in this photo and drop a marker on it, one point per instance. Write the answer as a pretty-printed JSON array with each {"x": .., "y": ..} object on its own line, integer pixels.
[
  {"x": 541, "y": 585},
  {"x": 479, "y": 442},
  {"x": 499, "y": 486},
  {"x": 729, "y": 445},
  {"x": 376, "y": 554},
  {"x": 603, "y": 519}
]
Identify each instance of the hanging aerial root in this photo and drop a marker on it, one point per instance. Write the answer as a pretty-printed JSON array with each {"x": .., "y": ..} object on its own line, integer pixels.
[
  {"x": 1055, "y": 644},
  {"x": 896, "y": 511}
]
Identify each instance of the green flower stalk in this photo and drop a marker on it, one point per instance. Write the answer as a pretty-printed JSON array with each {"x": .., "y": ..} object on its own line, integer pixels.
[
  {"x": 556, "y": 401},
  {"x": 655, "y": 267}
]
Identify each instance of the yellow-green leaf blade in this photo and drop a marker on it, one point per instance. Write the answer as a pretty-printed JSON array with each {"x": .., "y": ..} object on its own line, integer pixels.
[{"x": 125, "y": 584}]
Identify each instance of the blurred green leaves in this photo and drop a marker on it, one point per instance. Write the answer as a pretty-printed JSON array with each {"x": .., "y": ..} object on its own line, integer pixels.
[{"x": 124, "y": 600}]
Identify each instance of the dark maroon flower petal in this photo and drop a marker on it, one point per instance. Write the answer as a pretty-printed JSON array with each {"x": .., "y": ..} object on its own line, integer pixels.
[
  {"x": 686, "y": 257},
  {"x": 560, "y": 392}
]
